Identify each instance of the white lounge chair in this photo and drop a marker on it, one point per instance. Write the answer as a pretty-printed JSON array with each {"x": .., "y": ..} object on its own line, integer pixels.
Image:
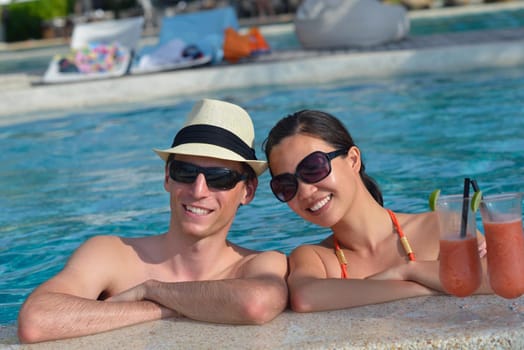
[{"x": 124, "y": 33}]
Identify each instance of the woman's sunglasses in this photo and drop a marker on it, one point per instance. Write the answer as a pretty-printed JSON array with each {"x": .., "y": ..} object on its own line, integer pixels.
[
  {"x": 216, "y": 177},
  {"x": 313, "y": 168}
]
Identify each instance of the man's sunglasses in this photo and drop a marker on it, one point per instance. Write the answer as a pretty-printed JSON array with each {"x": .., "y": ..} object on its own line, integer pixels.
[
  {"x": 216, "y": 177},
  {"x": 313, "y": 168}
]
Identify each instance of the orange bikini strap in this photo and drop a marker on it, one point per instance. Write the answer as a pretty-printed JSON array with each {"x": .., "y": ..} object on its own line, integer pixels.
[
  {"x": 341, "y": 258},
  {"x": 403, "y": 239}
]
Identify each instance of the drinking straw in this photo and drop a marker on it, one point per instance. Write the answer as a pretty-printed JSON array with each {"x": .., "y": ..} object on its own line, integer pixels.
[
  {"x": 465, "y": 207},
  {"x": 475, "y": 185},
  {"x": 476, "y": 188}
]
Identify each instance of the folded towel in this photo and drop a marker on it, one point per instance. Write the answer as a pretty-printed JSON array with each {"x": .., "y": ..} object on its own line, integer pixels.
[{"x": 173, "y": 51}]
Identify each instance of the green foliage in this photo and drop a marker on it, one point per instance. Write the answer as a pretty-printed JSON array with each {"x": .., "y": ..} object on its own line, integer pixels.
[
  {"x": 22, "y": 22},
  {"x": 25, "y": 19}
]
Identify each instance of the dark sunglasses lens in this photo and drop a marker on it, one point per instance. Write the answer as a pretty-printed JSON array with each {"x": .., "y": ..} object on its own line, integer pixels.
[
  {"x": 224, "y": 179},
  {"x": 183, "y": 172},
  {"x": 284, "y": 187},
  {"x": 314, "y": 168},
  {"x": 219, "y": 178}
]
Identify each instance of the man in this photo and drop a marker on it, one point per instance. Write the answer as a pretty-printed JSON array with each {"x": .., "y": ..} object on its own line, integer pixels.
[{"x": 191, "y": 270}]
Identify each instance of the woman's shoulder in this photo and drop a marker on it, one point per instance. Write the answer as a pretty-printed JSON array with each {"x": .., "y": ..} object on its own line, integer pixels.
[
  {"x": 427, "y": 219},
  {"x": 320, "y": 249},
  {"x": 422, "y": 230}
]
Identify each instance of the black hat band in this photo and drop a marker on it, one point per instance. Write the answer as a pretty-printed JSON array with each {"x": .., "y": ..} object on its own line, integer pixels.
[{"x": 213, "y": 135}]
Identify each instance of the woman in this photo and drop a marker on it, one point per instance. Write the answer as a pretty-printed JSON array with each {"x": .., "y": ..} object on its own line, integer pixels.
[{"x": 373, "y": 255}]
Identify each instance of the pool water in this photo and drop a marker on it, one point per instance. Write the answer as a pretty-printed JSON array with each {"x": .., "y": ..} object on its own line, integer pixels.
[
  {"x": 505, "y": 19},
  {"x": 84, "y": 174}
]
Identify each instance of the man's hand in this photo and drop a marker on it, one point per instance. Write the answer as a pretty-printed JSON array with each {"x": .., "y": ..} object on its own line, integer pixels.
[
  {"x": 139, "y": 293},
  {"x": 136, "y": 293}
]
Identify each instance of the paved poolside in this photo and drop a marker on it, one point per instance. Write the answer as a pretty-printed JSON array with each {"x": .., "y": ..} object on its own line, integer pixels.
[
  {"x": 479, "y": 322},
  {"x": 418, "y": 54}
]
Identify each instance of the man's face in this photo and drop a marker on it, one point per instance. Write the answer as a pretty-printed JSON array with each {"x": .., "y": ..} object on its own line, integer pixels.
[{"x": 198, "y": 208}]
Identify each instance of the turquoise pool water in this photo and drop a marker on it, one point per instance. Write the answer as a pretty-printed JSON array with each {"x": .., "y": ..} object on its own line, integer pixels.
[
  {"x": 504, "y": 19},
  {"x": 84, "y": 174}
]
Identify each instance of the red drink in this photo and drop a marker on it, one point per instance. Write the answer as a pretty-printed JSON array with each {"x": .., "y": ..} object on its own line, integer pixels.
[
  {"x": 460, "y": 271},
  {"x": 505, "y": 245}
]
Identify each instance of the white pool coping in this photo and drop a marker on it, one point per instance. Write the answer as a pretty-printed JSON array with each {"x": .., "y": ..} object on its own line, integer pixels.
[{"x": 438, "y": 322}]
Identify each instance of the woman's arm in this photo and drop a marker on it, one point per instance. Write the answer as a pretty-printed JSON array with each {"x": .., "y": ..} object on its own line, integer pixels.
[
  {"x": 427, "y": 273},
  {"x": 311, "y": 290}
]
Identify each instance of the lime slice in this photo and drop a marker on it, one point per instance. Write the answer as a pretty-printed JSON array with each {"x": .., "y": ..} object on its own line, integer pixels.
[
  {"x": 433, "y": 197},
  {"x": 475, "y": 201}
]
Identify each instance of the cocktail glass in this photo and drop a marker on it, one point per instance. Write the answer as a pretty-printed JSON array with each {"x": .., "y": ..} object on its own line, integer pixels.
[
  {"x": 460, "y": 271},
  {"x": 502, "y": 221}
]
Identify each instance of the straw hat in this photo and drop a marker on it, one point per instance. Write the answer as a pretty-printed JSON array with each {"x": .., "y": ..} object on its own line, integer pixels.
[{"x": 217, "y": 129}]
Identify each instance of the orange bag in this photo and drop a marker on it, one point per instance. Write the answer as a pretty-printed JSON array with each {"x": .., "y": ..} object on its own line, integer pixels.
[
  {"x": 235, "y": 46},
  {"x": 258, "y": 42}
]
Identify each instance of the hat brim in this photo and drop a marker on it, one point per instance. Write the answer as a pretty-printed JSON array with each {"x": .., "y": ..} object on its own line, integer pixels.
[{"x": 208, "y": 150}]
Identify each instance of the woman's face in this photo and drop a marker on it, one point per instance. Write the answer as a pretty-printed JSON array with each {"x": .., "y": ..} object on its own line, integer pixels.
[{"x": 325, "y": 202}]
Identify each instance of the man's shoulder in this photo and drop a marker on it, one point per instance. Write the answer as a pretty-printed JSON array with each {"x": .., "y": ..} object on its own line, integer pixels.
[
  {"x": 103, "y": 241},
  {"x": 114, "y": 239},
  {"x": 109, "y": 243},
  {"x": 268, "y": 257},
  {"x": 250, "y": 254},
  {"x": 106, "y": 251}
]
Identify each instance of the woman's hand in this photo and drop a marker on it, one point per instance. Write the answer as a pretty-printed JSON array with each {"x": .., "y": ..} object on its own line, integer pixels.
[
  {"x": 421, "y": 272},
  {"x": 395, "y": 273},
  {"x": 482, "y": 248}
]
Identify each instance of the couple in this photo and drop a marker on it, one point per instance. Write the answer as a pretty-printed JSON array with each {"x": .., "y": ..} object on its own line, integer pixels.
[{"x": 194, "y": 271}]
